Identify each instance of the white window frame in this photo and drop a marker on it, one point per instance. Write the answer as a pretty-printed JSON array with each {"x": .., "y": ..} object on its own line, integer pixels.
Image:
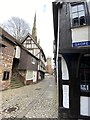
[{"x": 77, "y": 21}]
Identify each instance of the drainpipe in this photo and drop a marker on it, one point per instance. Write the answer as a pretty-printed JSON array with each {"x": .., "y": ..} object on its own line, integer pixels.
[{"x": 57, "y": 60}]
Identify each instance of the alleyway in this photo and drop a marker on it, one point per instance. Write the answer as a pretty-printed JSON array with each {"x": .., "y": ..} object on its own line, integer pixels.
[{"x": 32, "y": 101}]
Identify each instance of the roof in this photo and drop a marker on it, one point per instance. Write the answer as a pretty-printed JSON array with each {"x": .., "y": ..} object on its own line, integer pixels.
[
  {"x": 7, "y": 36},
  {"x": 26, "y": 49},
  {"x": 2, "y": 45},
  {"x": 29, "y": 35},
  {"x": 11, "y": 39}
]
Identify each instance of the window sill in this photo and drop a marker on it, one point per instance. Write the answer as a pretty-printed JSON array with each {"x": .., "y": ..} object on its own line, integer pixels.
[{"x": 78, "y": 26}]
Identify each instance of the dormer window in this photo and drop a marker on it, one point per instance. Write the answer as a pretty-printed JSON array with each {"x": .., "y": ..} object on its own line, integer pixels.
[{"x": 78, "y": 15}]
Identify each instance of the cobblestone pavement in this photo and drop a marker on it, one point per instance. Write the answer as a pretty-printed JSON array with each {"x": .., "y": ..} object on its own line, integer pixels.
[{"x": 33, "y": 101}]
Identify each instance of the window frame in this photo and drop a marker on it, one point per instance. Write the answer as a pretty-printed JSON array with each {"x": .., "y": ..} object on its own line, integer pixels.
[
  {"x": 6, "y": 75},
  {"x": 33, "y": 60},
  {"x": 78, "y": 11}
]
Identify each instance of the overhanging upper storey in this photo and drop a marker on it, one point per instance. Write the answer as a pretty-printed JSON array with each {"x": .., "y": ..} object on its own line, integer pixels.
[
  {"x": 80, "y": 14},
  {"x": 73, "y": 29},
  {"x": 80, "y": 24}
]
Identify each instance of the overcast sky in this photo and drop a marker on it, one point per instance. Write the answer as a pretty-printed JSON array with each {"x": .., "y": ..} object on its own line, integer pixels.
[{"x": 26, "y": 9}]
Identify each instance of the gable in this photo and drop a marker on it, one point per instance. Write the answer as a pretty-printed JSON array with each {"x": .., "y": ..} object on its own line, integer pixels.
[{"x": 32, "y": 46}]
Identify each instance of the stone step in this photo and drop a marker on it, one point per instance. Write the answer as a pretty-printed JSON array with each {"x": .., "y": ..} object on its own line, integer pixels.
[
  {"x": 16, "y": 85},
  {"x": 15, "y": 82}
]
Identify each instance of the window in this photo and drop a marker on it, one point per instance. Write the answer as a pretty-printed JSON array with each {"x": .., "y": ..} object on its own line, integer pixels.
[
  {"x": 85, "y": 74},
  {"x": 0, "y": 36},
  {"x": 78, "y": 15},
  {"x": 33, "y": 61},
  {"x": 6, "y": 75}
]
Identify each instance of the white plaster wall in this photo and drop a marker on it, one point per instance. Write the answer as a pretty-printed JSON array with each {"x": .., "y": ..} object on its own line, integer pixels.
[
  {"x": 89, "y": 6},
  {"x": 34, "y": 76},
  {"x": 39, "y": 77},
  {"x": 29, "y": 75},
  {"x": 89, "y": 106},
  {"x": 65, "y": 74},
  {"x": 84, "y": 106},
  {"x": 66, "y": 96},
  {"x": 18, "y": 52},
  {"x": 80, "y": 34},
  {"x": 37, "y": 52}
]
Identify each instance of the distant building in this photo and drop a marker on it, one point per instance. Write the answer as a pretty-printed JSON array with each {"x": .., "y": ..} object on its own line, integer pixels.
[{"x": 49, "y": 65}]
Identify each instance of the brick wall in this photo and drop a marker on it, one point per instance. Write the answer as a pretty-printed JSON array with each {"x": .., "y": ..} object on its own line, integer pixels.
[{"x": 6, "y": 62}]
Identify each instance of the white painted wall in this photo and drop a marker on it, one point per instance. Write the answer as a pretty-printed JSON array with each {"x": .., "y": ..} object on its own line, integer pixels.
[
  {"x": 65, "y": 74},
  {"x": 18, "y": 52},
  {"x": 66, "y": 96},
  {"x": 34, "y": 76},
  {"x": 31, "y": 75},
  {"x": 88, "y": 6},
  {"x": 80, "y": 34},
  {"x": 37, "y": 52},
  {"x": 39, "y": 77},
  {"x": 84, "y": 106}
]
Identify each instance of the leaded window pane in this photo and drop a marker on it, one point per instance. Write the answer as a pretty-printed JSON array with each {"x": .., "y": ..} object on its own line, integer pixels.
[
  {"x": 80, "y": 7},
  {"x": 75, "y": 21},
  {"x": 74, "y": 9},
  {"x": 82, "y": 13},
  {"x": 78, "y": 15},
  {"x": 74, "y": 15}
]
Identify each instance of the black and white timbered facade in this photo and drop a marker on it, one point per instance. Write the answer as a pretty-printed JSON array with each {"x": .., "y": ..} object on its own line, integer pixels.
[
  {"x": 72, "y": 57},
  {"x": 34, "y": 48}
]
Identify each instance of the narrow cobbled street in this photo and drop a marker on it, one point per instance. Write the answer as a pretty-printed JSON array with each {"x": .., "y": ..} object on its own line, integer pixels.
[{"x": 32, "y": 101}]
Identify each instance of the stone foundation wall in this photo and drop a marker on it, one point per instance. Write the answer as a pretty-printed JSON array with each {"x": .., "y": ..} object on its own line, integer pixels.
[
  {"x": 28, "y": 82},
  {"x": 22, "y": 74}
]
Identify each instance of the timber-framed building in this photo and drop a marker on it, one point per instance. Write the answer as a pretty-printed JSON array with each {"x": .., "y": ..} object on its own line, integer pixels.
[{"x": 72, "y": 57}]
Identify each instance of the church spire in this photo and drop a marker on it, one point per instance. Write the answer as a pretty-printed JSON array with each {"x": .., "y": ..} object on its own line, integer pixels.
[{"x": 34, "y": 30}]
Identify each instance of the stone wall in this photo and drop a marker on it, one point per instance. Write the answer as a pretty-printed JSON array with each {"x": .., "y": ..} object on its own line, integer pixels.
[{"x": 22, "y": 74}]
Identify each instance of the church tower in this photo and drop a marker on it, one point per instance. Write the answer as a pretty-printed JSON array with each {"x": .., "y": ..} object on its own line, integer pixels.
[
  {"x": 49, "y": 65},
  {"x": 34, "y": 30}
]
